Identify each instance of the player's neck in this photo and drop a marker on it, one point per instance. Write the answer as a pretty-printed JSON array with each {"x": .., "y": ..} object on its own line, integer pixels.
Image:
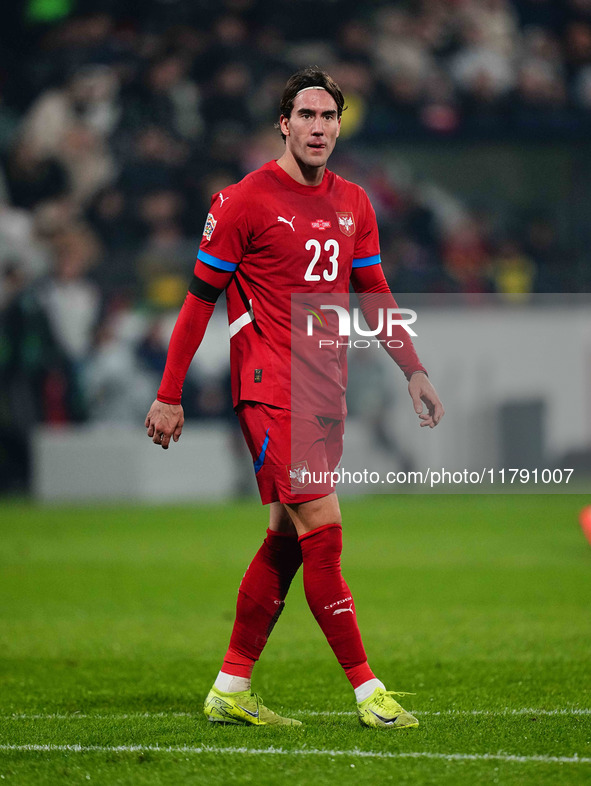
[{"x": 305, "y": 175}]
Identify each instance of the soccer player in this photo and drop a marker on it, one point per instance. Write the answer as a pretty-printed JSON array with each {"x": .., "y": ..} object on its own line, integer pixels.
[{"x": 292, "y": 226}]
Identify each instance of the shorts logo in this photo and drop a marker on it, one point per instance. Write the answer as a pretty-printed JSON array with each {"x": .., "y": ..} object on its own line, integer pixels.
[
  {"x": 346, "y": 223},
  {"x": 210, "y": 223},
  {"x": 296, "y": 474},
  {"x": 321, "y": 224}
]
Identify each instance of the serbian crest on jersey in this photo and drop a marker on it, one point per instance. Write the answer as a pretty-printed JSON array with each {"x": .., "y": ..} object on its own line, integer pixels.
[
  {"x": 346, "y": 223},
  {"x": 299, "y": 474},
  {"x": 210, "y": 223}
]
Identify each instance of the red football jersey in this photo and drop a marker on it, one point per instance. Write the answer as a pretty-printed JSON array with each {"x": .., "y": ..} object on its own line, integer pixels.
[{"x": 282, "y": 238}]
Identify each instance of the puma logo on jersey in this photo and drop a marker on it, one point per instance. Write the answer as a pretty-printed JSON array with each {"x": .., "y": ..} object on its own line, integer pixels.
[
  {"x": 342, "y": 611},
  {"x": 222, "y": 199},
  {"x": 285, "y": 221}
]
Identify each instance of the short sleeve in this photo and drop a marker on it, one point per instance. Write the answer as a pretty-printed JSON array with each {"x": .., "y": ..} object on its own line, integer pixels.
[
  {"x": 367, "y": 245},
  {"x": 225, "y": 234}
]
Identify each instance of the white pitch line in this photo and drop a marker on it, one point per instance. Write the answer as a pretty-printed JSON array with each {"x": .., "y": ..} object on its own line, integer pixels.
[
  {"x": 97, "y": 716},
  {"x": 505, "y": 712},
  {"x": 271, "y": 751},
  {"x": 308, "y": 713}
]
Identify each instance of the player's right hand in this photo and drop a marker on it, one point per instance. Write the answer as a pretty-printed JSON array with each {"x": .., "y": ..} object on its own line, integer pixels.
[{"x": 164, "y": 421}]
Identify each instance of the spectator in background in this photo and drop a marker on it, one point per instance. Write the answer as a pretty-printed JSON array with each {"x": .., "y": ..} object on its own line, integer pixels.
[
  {"x": 577, "y": 46},
  {"x": 72, "y": 304},
  {"x": 542, "y": 247},
  {"x": 88, "y": 100},
  {"x": 229, "y": 43},
  {"x": 262, "y": 147},
  {"x": 27, "y": 354},
  {"x": 398, "y": 48},
  {"x": 513, "y": 273},
  {"x": 110, "y": 216},
  {"x": 31, "y": 359},
  {"x": 163, "y": 259},
  {"x": 439, "y": 112},
  {"x": 355, "y": 43},
  {"x": 493, "y": 25},
  {"x": 72, "y": 301},
  {"x": 33, "y": 177},
  {"x": 539, "y": 103},
  {"x": 466, "y": 255},
  {"x": 9, "y": 123},
  {"x": 399, "y": 104},
  {"x": 484, "y": 77},
  {"x": 357, "y": 84},
  {"x": 120, "y": 233},
  {"x": 116, "y": 384},
  {"x": 21, "y": 245},
  {"x": 226, "y": 107},
  {"x": 88, "y": 163},
  {"x": 155, "y": 162},
  {"x": 582, "y": 90},
  {"x": 166, "y": 98}
]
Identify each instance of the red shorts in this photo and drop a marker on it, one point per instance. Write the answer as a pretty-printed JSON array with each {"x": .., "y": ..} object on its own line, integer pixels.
[{"x": 293, "y": 453}]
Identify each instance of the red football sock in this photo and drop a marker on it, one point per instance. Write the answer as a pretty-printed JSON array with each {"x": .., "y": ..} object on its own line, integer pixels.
[
  {"x": 331, "y": 602},
  {"x": 261, "y": 598}
]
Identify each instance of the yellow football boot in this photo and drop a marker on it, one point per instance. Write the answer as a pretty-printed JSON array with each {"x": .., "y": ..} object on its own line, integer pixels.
[
  {"x": 244, "y": 708},
  {"x": 381, "y": 710}
]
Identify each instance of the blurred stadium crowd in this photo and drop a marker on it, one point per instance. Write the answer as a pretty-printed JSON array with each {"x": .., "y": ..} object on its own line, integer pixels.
[{"x": 118, "y": 120}]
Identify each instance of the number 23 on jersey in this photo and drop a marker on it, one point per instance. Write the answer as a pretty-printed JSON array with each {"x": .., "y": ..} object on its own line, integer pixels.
[{"x": 331, "y": 248}]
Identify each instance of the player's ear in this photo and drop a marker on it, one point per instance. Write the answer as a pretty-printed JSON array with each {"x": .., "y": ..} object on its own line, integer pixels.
[{"x": 284, "y": 125}]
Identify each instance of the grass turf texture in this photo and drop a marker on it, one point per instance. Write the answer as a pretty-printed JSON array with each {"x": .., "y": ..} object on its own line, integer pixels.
[{"x": 113, "y": 622}]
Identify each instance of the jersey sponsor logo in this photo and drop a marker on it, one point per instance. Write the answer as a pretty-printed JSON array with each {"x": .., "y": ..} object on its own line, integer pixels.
[
  {"x": 222, "y": 199},
  {"x": 285, "y": 221},
  {"x": 210, "y": 223},
  {"x": 346, "y": 223},
  {"x": 321, "y": 224},
  {"x": 299, "y": 474}
]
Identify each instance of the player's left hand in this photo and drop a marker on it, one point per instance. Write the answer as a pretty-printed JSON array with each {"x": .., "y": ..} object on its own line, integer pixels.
[
  {"x": 164, "y": 422},
  {"x": 422, "y": 392}
]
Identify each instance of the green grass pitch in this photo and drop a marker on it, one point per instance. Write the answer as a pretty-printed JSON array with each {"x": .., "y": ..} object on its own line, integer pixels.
[{"x": 114, "y": 619}]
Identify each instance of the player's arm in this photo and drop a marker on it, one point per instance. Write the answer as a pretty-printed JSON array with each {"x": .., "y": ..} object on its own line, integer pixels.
[
  {"x": 166, "y": 418},
  {"x": 370, "y": 284}
]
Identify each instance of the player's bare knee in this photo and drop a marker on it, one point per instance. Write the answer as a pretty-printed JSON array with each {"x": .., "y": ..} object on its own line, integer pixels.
[
  {"x": 315, "y": 513},
  {"x": 279, "y": 518}
]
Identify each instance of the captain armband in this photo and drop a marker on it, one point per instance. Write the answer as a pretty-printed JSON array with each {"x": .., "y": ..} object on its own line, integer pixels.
[{"x": 203, "y": 290}]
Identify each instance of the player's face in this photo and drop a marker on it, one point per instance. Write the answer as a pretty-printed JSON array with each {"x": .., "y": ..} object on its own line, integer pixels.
[{"x": 312, "y": 130}]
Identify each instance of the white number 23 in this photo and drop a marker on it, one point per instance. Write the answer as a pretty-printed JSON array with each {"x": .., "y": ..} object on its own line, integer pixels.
[{"x": 329, "y": 246}]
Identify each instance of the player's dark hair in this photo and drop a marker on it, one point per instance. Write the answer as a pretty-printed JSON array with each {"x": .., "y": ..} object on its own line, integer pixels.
[{"x": 309, "y": 77}]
